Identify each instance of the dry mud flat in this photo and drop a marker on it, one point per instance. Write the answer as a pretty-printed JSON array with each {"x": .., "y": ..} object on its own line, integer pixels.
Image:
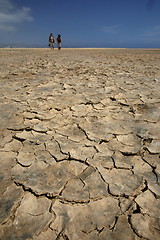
[{"x": 79, "y": 144}]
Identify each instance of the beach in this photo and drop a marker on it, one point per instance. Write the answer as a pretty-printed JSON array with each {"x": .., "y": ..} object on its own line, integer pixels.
[{"x": 80, "y": 144}]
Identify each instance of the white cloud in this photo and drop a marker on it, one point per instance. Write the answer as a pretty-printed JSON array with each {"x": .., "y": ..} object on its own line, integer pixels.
[
  {"x": 113, "y": 29},
  {"x": 6, "y": 4},
  {"x": 7, "y": 27},
  {"x": 11, "y": 15}
]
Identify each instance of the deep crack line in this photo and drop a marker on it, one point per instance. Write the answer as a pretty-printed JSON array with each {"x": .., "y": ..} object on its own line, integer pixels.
[
  {"x": 51, "y": 196},
  {"x": 133, "y": 229},
  {"x": 78, "y": 125}
]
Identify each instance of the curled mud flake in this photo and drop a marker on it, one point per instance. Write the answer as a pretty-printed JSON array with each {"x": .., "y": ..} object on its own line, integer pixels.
[
  {"x": 154, "y": 147},
  {"x": 25, "y": 135},
  {"x": 42, "y": 127},
  {"x": 144, "y": 226},
  {"x": 34, "y": 206},
  {"x": 54, "y": 149},
  {"x": 82, "y": 152},
  {"x": 96, "y": 186},
  {"x": 25, "y": 159},
  {"x": 75, "y": 192},
  {"x": 31, "y": 217},
  {"x": 146, "y": 200},
  {"x": 5, "y": 137},
  {"x": 14, "y": 146},
  {"x": 121, "y": 181},
  {"x": 10, "y": 200},
  {"x": 154, "y": 188},
  {"x": 54, "y": 177},
  {"x": 77, "y": 220},
  {"x": 73, "y": 132}
]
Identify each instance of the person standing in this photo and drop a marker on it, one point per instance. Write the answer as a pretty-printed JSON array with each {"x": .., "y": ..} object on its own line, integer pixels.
[
  {"x": 51, "y": 41},
  {"x": 59, "y": 41}
]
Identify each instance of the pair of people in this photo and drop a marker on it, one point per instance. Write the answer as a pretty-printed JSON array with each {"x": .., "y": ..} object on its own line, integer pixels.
[{"x": 52, "y": 41}]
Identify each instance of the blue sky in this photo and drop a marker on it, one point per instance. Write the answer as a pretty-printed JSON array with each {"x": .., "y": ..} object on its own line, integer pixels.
[{"x": 81, "y": 23}]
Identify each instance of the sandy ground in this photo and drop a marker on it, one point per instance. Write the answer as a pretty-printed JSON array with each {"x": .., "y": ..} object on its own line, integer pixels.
[{"x": 80, "y": 144}]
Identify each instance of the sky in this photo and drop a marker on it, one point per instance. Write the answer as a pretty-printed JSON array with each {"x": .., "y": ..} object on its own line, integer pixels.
[{"x": 81, "y": 23}]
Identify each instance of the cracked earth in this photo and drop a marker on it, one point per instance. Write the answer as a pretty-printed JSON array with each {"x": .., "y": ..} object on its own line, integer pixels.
[{"x": 80, "y": 144}]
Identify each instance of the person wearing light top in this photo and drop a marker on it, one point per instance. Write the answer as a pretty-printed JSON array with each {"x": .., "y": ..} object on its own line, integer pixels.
[{"x": 51, "y": 41}]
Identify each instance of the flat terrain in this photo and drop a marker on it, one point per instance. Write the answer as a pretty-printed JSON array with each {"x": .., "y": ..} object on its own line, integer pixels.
[{"x": 79, "y": 144}]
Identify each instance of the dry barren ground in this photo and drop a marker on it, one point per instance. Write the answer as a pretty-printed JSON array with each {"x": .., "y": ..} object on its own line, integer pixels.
[{"x": 79, "y": 144}]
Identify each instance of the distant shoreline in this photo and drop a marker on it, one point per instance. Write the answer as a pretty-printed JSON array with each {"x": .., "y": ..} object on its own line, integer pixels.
[{"x": 48, "y": 49}]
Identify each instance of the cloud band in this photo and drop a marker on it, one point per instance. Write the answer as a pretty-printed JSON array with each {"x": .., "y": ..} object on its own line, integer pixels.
[{"x": 10, "y": 15}]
